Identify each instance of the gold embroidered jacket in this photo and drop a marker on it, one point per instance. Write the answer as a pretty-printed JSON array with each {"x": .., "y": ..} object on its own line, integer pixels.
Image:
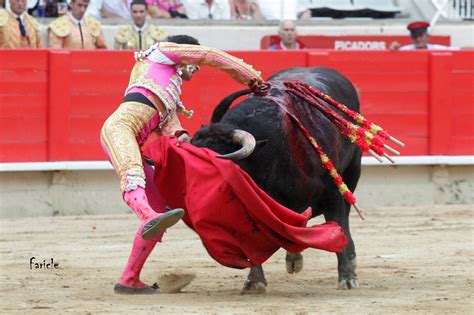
[
  {"x": 155, "y": 76},
  {"x": 10, "y": 35},
  {"x": 129, "y": 38},
  {"x": 64, "y": 33}
]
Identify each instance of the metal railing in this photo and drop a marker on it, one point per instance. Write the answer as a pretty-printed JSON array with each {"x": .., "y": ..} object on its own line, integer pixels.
[{"x": 453, "y": 9}]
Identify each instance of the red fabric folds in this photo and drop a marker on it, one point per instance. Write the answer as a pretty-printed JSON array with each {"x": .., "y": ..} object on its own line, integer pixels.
[{"x": 238, "y": 223}]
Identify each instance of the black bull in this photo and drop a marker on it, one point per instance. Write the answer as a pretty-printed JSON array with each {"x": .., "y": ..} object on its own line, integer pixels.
[{"x": 284, "y": 164}]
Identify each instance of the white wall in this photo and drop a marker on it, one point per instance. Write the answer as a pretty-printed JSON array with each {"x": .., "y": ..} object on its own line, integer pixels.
[{"x": 45, "y": 193}]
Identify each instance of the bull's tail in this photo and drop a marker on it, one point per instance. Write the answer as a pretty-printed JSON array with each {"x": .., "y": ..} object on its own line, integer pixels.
[{"x": 224, "y": 105}]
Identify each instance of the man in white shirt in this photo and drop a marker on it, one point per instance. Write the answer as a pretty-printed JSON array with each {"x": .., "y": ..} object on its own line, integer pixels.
[
  {"x": 279, "y": 9},
  {"x": 94, "y": 9},
  {"x": 419, "y": 35},
  {"x": 207, "y": 9}
]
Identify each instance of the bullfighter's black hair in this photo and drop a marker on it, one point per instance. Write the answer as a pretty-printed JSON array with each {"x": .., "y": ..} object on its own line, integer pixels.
[{"x": 183, "y": 39}]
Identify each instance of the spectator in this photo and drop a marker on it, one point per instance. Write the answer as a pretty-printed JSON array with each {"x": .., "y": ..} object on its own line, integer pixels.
[
  {"x": 304, "y": 9},
  {"x": 141, "y": 34},
  {"x": 287, "y": 33},
  {"x": 74, "y": 31},
  {"x": 419, "y": 35},
  {"x": 207, "y": 9},
  {"x": 245, "y": 10},
  {"x": 31, "y": 6},
  {"x": 55, "y": 8},
  {"x": 279, "y": 9},
  {"x": 95, "y": 9},
  {"x": 18, "y": 29},
  {"x": 166, "y": 9},
  {"x": 116, "y": 9}
]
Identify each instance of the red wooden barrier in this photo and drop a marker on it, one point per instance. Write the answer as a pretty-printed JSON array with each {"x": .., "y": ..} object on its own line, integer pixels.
[
  {"x": 53, "y": 103},
  {"x": 353, "y": 42},
  {"x": 23, "y": 105}
]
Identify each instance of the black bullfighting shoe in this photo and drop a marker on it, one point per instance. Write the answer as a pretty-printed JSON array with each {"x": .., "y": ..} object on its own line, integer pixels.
[
  {"x": 161, "y": 222},
  {"x": 121, "y": 289}
]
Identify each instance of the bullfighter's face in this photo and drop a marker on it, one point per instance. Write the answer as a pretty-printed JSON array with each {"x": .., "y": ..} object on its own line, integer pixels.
[
  {"x": 186, "y": 72},
  {"x": 78, "y": 8},
  {"x": 139, "y": 13},
  {"x": 18, "y": 6}
]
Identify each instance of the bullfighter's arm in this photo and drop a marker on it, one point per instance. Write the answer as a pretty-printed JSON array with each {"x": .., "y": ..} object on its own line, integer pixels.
[
  {"x": 100, "y": 41},
  {"x": 216, "y": 58}
]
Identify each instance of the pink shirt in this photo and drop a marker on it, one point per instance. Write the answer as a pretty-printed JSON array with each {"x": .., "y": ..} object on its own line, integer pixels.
[{"x": 165, "y": 5}]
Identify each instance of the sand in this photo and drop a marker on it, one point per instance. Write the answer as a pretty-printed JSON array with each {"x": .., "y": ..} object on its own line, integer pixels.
[{"x": 410, "y": 260}]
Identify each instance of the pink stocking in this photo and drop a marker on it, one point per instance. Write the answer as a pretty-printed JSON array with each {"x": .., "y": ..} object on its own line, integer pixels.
[
  {"x": 138, "y": 201},
  {"x": 156, "y": 201},
  {"x": 141, "y": 249}
]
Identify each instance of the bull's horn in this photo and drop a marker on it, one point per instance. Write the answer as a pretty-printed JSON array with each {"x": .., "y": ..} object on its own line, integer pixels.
[{"x": 246, "y": 140}]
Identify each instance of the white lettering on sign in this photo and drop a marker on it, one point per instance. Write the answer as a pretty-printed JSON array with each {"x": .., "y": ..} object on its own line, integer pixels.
[{"x": 359, "y": 45}]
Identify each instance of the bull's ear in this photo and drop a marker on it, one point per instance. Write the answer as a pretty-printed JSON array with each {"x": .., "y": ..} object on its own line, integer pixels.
[{"x": 260, "y": 144}]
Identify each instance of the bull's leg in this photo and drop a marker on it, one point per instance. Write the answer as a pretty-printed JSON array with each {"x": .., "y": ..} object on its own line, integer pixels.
[
  {"x": 336, "y": 209},
  {"x": 294, "y": 262},
  {"x": 256, "y": 282},
  {"x": 347, "y": 262}
]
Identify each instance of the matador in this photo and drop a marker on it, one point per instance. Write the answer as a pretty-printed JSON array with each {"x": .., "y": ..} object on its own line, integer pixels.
[{"x": 152, "y": 104}]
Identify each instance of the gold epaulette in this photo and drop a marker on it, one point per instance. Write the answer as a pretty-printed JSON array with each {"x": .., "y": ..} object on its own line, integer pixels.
[
  {"x": 61, "y": 26},
  {"x": 3, "y": 17},
  {"x": 157, "y": 33},
  {"x": 93, "y": 25},
  {"x": 34, "y": 22},
  {"x": 124, "y": 35}
]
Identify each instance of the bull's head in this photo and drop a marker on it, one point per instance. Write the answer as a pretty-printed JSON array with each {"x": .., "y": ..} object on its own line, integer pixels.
[{"x": 232, "y": 144}]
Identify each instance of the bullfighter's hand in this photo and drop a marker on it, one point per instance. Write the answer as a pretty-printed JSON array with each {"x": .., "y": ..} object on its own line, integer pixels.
[
  {"x": 183, "y": 138},
  {"x": 395, "y": 46},
  {"x": 260, "y": 88}
]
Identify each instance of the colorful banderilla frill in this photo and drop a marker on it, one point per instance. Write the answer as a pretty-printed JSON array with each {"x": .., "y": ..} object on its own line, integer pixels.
[{"x": 365, "y": 134}]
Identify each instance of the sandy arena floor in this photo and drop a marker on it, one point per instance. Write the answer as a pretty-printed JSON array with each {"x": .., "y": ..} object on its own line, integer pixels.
[{"x": 411, "y": 260}]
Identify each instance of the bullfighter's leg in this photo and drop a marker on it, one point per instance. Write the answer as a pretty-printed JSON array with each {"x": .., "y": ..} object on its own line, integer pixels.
[
  {"x": 130, "y": 282},
  {"x": 121, "y": 137},
  {"x": 256, "y": 282}
]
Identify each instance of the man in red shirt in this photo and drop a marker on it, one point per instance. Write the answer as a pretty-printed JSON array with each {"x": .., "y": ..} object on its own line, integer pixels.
[{"x": 287, "y": 32}]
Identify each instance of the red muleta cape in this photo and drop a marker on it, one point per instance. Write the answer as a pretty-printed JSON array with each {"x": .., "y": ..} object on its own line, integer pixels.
[{"x": 238, "y": 223}]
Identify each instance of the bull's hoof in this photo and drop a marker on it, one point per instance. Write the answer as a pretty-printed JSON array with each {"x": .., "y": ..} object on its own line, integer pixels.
[
  {"x": 348, "y": 284},
  {"x": 253, "y": 287},
  {"x": 294, "y": 262},
  {"x": 121, "y": 289}
]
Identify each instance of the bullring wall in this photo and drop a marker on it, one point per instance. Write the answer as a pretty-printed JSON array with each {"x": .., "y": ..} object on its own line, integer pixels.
[{"x": 54, "y": 102}]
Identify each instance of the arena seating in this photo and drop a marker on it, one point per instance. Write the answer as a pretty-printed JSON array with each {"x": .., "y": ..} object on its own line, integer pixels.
[{"x": 354, "y": 8}]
